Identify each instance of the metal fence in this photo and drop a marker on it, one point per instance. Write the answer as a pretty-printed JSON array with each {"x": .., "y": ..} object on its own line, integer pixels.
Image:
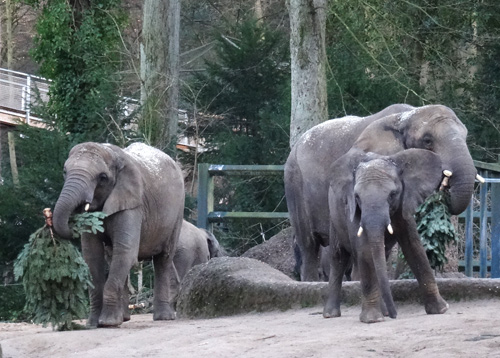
[
  {"x": 481, "y": 239},
  {"x": 482, "y": 226},
  {"x": 18, "y": 92},
  {"x": 206, "y": 173}
]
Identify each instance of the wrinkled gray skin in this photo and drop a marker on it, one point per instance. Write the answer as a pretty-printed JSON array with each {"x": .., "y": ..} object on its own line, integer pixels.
[
  {"x": 196, "y": 246},
  {"x": 372, "y": 191},
  {"x": 390, "y": 131},
  {"x": 141, "y": 190}
]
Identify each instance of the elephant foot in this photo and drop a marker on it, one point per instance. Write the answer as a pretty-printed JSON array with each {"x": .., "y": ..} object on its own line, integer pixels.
[
  {"x": 165, "y": 313},
  {"x": 110, "y": 319},
  {"x": 126, "y": 316},
  {"x": 436, "y": 306},
  {"x": 331, "y": 313},
  {"x": 93, "y": 321},
  {"x": 371, "y": 315}
]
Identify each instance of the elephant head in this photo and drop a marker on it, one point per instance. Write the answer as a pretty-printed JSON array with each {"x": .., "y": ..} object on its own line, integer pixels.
[
  {"x": 98, "y": 177},
  {"x": 435, "y": 128},
  {"x": 375, "y": 189}
]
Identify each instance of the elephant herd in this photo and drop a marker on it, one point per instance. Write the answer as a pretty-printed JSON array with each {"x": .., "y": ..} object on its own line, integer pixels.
[{"x": 352, "y": 185}]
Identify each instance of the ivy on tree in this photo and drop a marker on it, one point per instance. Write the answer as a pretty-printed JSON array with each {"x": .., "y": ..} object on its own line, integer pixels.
[{"x": 54, "y": 275}]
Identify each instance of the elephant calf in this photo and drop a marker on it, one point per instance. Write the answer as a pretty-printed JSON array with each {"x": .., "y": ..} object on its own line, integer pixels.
[
  {"x": 195, "y": 246},
  {"x": 372, "y": 199}
]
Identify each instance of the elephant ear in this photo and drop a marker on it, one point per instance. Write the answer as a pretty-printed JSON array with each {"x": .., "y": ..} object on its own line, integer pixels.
[
  {"x": 421, "y": 174},
  {"x": 128, "y": 189},
  {"x": 342, "y": 174}
]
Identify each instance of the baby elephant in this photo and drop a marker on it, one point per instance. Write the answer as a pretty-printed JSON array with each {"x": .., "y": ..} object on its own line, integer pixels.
[
  {"x": 372, "y": 199},
  {"x": 195, "y": 246}
]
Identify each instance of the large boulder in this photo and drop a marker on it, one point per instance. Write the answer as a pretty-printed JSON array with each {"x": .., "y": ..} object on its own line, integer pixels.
[
  {"x": 231, "y": 285},
  {"x": 234, "y": 285},
  {"x": 277, "y": 252}
]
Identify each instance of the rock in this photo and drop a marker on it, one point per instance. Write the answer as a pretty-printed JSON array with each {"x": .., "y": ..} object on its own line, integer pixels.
[
  {"x": 235, "y": 285},
  {"x": 277, "y": 252},
  {"x": 232, "y": 285}
]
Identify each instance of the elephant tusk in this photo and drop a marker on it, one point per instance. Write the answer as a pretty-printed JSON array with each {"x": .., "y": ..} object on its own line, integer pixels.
[
  {"x": 480, "y": 179},
  {"x": 360, "y": 231},
  {"x": 447, "y": 174},
  {"x": 87, "y": 207},
  {"x": 389, "y": 228}
]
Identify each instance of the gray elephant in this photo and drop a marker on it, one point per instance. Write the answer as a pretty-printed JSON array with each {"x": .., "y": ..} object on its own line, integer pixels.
[
  {"x": 372, "y": 200},
  {"x": 195, "y": 246},
  {"x": 141, "y": 190},
  {"x": 390, "y": 131}
]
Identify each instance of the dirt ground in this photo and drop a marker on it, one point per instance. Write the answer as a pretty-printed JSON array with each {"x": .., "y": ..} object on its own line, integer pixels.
[{"x": 468, "y": 329}]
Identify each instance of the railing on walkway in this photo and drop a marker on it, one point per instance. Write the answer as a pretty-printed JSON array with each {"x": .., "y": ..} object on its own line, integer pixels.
[
  {"x": 482, "y": 217},
  {"x": 18, "y": 93},
  {"x": 206, "y": 173}
]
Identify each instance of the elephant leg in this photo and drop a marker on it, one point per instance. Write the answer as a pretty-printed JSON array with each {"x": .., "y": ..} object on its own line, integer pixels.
[
  {"x": 371, "y": 307},
  {"x": 339, "y": 264},
  {"x": 125, "y": 300},
  {"x": 309, "y": 252},
  {"x": 416, "y": 257},
  {"x": 162, "y": 295},
  {"x": 93, "y": 253},
  {"x": 125, "y": 236}
]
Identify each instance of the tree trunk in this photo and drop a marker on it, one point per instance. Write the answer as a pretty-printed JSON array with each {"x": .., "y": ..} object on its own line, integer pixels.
[
  {"x": 308, "y": 65},
  {"x": 13, "y": 162},
  {"x": 160, "y": 73},
  {"x": 9, "y": 42}
]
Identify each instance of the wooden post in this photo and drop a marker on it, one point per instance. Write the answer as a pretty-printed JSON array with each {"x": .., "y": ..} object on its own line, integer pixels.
[
  {"x": 13, "y": 163},
  {"x": 205, "y": 195}
]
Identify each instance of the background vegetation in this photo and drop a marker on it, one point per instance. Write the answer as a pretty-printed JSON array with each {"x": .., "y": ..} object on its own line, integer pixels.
[{"x": 235, "y": 88}]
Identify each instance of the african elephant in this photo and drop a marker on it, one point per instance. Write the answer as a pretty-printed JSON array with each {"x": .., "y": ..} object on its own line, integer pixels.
[
  {"x": 195, "y": 246},
  {"x": 372, "y": 199},
  {"x": 398, "y": 127},
  {"x": 141, "y": 190}
]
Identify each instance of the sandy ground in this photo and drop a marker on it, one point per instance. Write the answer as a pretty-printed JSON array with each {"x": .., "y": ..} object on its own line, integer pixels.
[{"x": 468, "y": 329}]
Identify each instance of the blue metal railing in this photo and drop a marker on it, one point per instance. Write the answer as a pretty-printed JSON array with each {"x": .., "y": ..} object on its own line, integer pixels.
[{"x": 482, "y": 217}]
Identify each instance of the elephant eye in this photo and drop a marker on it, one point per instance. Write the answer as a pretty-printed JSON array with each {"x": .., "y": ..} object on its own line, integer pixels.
[
  {"x": 427, "y": 141},
  {"x": 103, "y": 177}
]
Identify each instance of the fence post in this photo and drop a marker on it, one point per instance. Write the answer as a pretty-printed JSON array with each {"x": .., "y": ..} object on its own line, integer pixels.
[
  {"x": 205, "y": 195},
  {"x": 469, "y": 217},
  {"x": 483, "y": 244},
  {"x": 495, "y": 230}
]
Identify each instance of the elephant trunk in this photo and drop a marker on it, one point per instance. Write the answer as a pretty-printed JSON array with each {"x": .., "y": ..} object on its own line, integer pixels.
[
  {"x": 75, "y": 192},
  {"x": 378, "y": 256},
  {"x": 461, "y": 182}
]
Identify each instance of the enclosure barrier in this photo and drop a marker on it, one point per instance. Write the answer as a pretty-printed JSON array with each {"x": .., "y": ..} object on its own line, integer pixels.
[
  {"x": 483, "y": 212},
  {"x": 206, "y": 173}
]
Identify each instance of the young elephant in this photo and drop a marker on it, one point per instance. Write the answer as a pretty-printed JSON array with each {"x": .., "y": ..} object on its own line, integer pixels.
[
  {"x": 372, "y": 199},
  {"x": 195, "y": 246},
  {"x": 141, "y": 190}
]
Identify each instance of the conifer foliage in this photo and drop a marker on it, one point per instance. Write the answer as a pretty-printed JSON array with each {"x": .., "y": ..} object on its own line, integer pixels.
[
  {"x": 435, "y": 228},
  {"x": 54, "y": 275}
]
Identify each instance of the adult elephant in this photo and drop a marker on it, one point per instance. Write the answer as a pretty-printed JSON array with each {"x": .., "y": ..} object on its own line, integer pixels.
[
  {"x": 398, "y": 127},
  {"x": 372, "y": 200},
  {"x": 141, "y": 190}
]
